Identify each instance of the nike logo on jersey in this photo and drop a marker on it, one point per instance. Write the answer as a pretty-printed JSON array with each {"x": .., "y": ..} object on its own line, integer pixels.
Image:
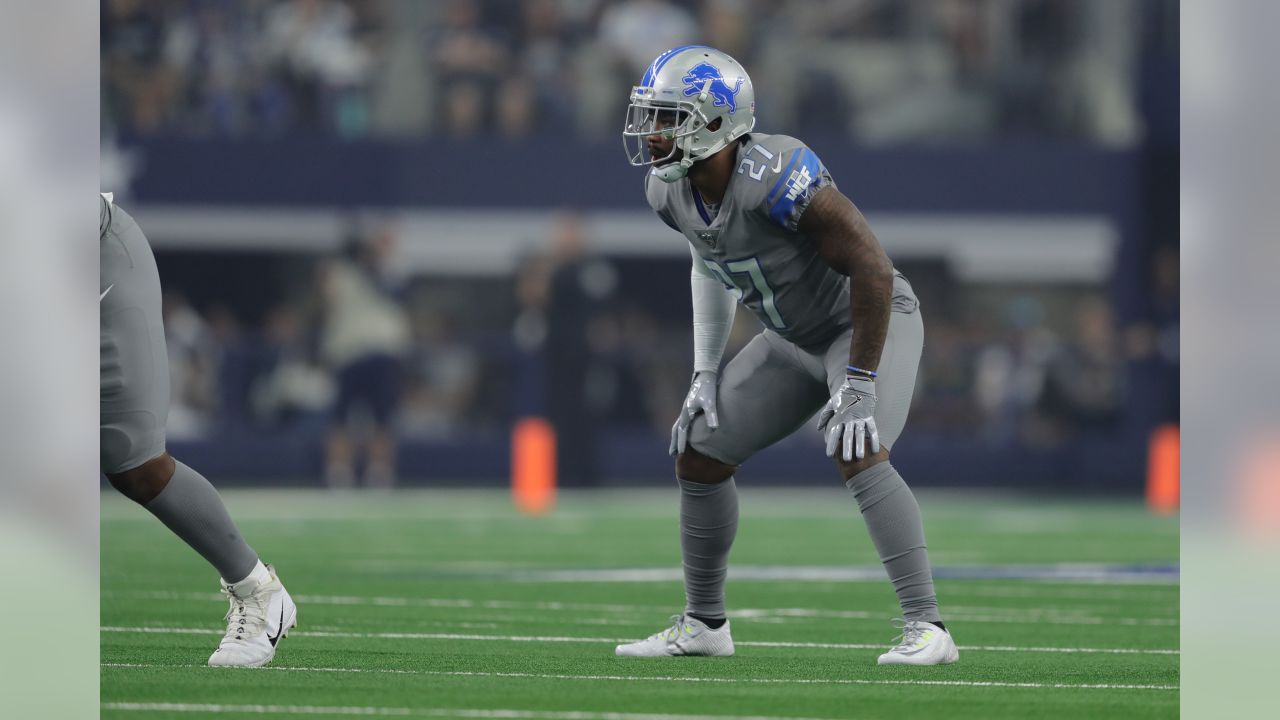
[
  {"x": 104, "y": 292},
  {"x": 778, "y": 168}
]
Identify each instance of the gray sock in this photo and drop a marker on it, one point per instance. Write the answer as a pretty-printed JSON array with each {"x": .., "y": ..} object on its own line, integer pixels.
[
  {"x": 893, "y": 519},
  {"x": 193, "y": 510},
  {"x": 708, "y": 524}
]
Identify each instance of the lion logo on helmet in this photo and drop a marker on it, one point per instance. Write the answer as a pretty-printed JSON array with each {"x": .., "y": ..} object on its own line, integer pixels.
[{"x": 719, "y": 90}]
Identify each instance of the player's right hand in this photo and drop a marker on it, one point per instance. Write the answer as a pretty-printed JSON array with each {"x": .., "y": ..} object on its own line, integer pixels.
[{"x": 701, "y": 399}]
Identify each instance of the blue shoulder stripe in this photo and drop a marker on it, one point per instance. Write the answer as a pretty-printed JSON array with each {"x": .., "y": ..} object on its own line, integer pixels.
[{"x": 796, "y": 184}]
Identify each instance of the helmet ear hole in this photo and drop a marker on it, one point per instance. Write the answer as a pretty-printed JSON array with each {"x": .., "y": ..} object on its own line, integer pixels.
[{"x": 714, "y": 125}]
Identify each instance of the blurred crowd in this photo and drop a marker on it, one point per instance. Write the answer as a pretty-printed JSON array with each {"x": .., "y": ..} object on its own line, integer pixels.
[
  {"x": 880, "y": 71},
  {"x": 366, "y": 359},
  {"x": 1038, "y": 369}
]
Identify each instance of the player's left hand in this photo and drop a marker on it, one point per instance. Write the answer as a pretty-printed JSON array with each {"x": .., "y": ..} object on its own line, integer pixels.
[
  {"x": 847, "y": 419},
  {"x": 700, "y": 400}
]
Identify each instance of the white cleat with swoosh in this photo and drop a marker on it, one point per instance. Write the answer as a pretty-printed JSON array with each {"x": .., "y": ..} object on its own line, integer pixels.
[
  {"x": 922, "y": 643},
  {"x": 261, "y": 614},
  {"x": 688, "y": 636}
]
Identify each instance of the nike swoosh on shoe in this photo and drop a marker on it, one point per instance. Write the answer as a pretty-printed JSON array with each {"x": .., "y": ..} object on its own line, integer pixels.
[{"x": 279, "y": 630}]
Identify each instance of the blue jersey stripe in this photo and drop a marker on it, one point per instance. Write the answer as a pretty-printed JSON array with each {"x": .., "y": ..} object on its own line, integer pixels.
[
  {"x": 663, "y": 59},
  {"x": 783, "y": 207}
]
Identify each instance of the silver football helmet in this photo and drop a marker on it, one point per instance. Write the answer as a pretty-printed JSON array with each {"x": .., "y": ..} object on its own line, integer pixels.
[{"x": 683, "y": 91}]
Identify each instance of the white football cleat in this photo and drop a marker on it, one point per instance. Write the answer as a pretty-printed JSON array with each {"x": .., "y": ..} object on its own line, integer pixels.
[
  {"x": 922, "y": 643},
  {"x": 688, "y": 636},
  {"x": 261, "y": 613}
]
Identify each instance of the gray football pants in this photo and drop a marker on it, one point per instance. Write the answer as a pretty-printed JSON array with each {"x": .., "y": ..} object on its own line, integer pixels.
[
  {"x": 133, "y": 360},
  {"x": 772, "y": 388}
]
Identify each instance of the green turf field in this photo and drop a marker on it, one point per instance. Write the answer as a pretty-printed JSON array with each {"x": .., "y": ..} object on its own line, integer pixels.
[{"x": 449, "y": 604}]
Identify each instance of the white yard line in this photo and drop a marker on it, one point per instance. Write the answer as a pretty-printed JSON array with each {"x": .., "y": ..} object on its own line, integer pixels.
[
  {"x": 1052, "y": 616},
  {"x": 415, "y": 712},
  {"x": 403, "y": 602},
  {"x": 713, "y": 680},
  {"x": 566, "y": 639},
  {"x": 985, "y": 648}
]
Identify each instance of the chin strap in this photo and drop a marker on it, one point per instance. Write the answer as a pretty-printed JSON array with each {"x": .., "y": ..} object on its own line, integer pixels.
[{"x": 672, "y": 172}]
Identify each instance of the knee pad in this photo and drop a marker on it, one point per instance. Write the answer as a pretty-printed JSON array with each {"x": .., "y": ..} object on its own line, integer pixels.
[{"x": 127, "y": 440}]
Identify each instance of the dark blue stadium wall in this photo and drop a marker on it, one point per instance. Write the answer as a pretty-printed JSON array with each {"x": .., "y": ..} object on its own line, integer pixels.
[{"x": 1014, "y": 178}]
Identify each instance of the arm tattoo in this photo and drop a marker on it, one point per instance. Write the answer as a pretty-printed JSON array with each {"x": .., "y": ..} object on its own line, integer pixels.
[{"x": 846, "y": 242}]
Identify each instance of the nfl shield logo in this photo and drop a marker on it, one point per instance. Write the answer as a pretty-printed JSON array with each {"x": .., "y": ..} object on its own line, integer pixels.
[{"x": 709, "y": 237}]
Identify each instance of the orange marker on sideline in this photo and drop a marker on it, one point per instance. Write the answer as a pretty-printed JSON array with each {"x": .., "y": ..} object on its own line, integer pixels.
[
  {"x": 533, "y": 465},
  {"x": 1163, "y": 488}
]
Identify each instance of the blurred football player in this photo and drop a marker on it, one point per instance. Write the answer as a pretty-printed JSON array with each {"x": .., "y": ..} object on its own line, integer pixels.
[
  {"x": 768, "y": 228},
  {"x": 134, "y": 406},
  {"x": 365, "y": 340}
]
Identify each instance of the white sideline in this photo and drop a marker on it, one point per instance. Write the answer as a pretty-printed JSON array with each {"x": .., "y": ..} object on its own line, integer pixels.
[
  {"x": 1036, "y": 616},
  {"x": 419, "y": 712},
  {"x": 565, "y": 639},
  {"x": 668, "y": 678}
]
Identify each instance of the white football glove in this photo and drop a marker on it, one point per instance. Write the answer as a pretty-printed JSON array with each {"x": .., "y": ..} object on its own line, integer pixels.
[
  {"x": 847, "y": 419},
  {"x": 701, "y": 399}
]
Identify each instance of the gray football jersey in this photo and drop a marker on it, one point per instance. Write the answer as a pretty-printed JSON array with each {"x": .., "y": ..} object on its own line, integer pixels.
[{"x": 753, "y": 245}]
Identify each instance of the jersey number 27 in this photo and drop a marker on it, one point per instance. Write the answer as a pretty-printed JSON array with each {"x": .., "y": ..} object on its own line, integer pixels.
[
  {"x": 757, "y": 172},
  {"x": 751, "y": 268}
]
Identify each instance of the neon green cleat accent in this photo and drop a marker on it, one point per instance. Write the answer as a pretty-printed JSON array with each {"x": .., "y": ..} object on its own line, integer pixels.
[{"x": 921, "y": 643}]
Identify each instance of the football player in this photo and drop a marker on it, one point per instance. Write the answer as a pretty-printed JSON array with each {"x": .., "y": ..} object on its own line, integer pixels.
[
  {"x": 767, "y": 227},
  {"x": 134, "y": 406}
]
